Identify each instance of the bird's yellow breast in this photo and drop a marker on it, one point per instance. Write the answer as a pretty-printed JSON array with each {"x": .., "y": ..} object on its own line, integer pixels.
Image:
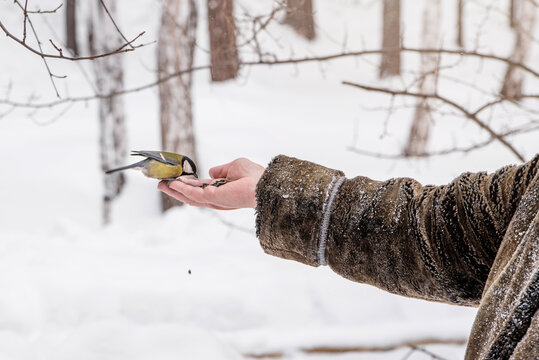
[{"x": 158, "y": 170}]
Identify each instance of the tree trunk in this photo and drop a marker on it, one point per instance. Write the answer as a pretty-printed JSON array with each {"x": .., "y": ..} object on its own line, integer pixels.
[
  {"x": 391, "y": 61},
  {"x": 460, "y": 23},
  {"x": 175, "y": 51},
  {"x": 523, "y": 28},
  {"x": 419, "y": 132},
  {"x": 299, "y": 15},
  {"x": 109, "y": 78},
  {"x": 223, "y": 50},
  {"x": 513, "y": 12},
  {"x": 71, "y": 26}
]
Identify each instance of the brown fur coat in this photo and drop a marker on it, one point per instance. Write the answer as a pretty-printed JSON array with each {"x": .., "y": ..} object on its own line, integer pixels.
[{"x": 473, "y": 242}]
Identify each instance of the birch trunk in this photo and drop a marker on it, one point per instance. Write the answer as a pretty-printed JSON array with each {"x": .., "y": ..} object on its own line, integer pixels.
[
  {"x": 223, "y": 49},
  {"x": 419, "y": 132},
  {"x": 391, "y": 61},
  {"x": 513, "y": 12},
  {"x": 175, "y": 52},
  {"x": 523, "y": 28},
  {"x": 460, "y": 23},
  {"x": 299, "y": 15},
  {"x": 71, "y": 26},
  {"x": 109, "y": 78}
]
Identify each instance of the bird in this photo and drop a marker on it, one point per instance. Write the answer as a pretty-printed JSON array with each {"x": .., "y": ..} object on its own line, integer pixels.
[{"x": 161, "y": 165}]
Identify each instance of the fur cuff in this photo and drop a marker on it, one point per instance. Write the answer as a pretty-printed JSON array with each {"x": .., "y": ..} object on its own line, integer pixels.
[{"x": 292, "y": 197}]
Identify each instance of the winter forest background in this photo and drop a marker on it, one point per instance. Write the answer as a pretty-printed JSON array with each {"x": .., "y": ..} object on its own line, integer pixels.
[{"x": 92, "y": 268}]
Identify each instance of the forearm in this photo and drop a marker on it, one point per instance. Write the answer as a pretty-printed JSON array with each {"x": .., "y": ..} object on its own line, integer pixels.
[{"x": 431, "y": 242}]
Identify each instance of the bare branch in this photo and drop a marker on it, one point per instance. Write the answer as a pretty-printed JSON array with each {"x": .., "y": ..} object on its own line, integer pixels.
[
  {"x": 442, "y": 152},
  {"x": 328, "y": 350},
  {"x": 24, "y": 24},
  {"x": 53, "y": 119},
  {"x": 76, "y": 58},
  {"x": 259, "y": 25},
  {"x": 27, "y": 19},
  {"x": 31, "y": 104},
  {"x": 447, "y": 101},
  {"x": 56, "y": 47},
  {"x": 405, "y": 49},
  {"x": 127, "y": 42},
  {"x": 39, "y": 11},
  {"x": 79, "y": 64}
]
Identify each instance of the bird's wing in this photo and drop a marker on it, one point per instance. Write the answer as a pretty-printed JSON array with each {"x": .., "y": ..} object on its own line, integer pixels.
[{"x": 157, "y": 155}]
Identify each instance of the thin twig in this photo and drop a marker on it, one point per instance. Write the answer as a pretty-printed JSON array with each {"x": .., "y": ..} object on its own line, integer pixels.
[
  {"x": 51, "y": 76},
  {"x": 79, "y": 64},
  {"x": 39, "y": 11},
  {"x": 74, "y": 58},
  {"x": 127, "y": 42},
  {"x": 56, "y": 47},
  {"x": 25, "y": 12},
  {"x": 54, "y": 118}
]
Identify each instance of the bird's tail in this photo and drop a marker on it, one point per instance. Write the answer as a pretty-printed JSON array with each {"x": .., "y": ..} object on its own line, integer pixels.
[{"x": 135, "y": 165}]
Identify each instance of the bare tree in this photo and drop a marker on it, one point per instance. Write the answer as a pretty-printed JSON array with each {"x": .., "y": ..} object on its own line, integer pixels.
[
  {"x": 299, "y": 15},
  {"x": 391, "y": 60},
  {"x": 223, "y": 49},
  {"x": 460, "y": 23},
  {"x": 419, "y": 132},
  {"x": 514, "y": 77},
  {"x": 109, "y": 76},
  {"x": 71, "y": 26},
  {"x": 499, "y": 133},
  {"x": 512, "y": 12},
  {"x": 175, "y": 51}
]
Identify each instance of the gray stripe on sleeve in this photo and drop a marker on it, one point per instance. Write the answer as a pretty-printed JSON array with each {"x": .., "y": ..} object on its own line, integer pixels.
[{"x": 326, "y": 215}]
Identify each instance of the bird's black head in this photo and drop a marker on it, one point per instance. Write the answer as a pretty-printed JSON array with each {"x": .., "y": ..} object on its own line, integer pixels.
[{"x": 189, "y": 167}]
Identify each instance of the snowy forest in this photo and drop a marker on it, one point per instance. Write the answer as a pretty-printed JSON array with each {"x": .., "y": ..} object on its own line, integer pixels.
[{"x": 97, "y": 266}]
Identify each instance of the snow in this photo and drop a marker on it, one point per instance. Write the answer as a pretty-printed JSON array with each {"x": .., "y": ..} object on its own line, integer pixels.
[
  {"x": 187, "y": 284},
  {"x": 72, "y": 290}
]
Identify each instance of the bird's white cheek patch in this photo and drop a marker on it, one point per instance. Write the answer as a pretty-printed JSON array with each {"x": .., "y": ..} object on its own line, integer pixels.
[{"x": 187, "y": 167}]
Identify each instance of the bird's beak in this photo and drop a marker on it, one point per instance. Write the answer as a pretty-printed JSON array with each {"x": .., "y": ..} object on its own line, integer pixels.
[{"x": 195, "y": 175}]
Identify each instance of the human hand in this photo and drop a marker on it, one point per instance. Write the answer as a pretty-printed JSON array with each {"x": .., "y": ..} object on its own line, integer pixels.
[{"x": 241, "y": 175}]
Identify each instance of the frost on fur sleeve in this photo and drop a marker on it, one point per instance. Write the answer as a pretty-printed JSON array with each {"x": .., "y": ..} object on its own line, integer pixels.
[{"x": 430, "y": 242}]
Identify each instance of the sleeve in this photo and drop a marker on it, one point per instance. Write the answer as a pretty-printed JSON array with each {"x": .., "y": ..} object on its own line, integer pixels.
[{"x": 431, "y": 242}]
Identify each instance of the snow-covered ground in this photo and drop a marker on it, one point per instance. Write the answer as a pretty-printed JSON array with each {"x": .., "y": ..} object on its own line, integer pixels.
[{"x": 193, "y": 283}]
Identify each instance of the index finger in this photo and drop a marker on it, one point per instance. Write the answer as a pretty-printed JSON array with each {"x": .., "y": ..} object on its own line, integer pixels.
[{"x": 220, "y": 171}]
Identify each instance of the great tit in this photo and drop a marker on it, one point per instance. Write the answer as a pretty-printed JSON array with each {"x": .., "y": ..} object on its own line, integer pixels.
[{"x": 161, "y": 165}]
